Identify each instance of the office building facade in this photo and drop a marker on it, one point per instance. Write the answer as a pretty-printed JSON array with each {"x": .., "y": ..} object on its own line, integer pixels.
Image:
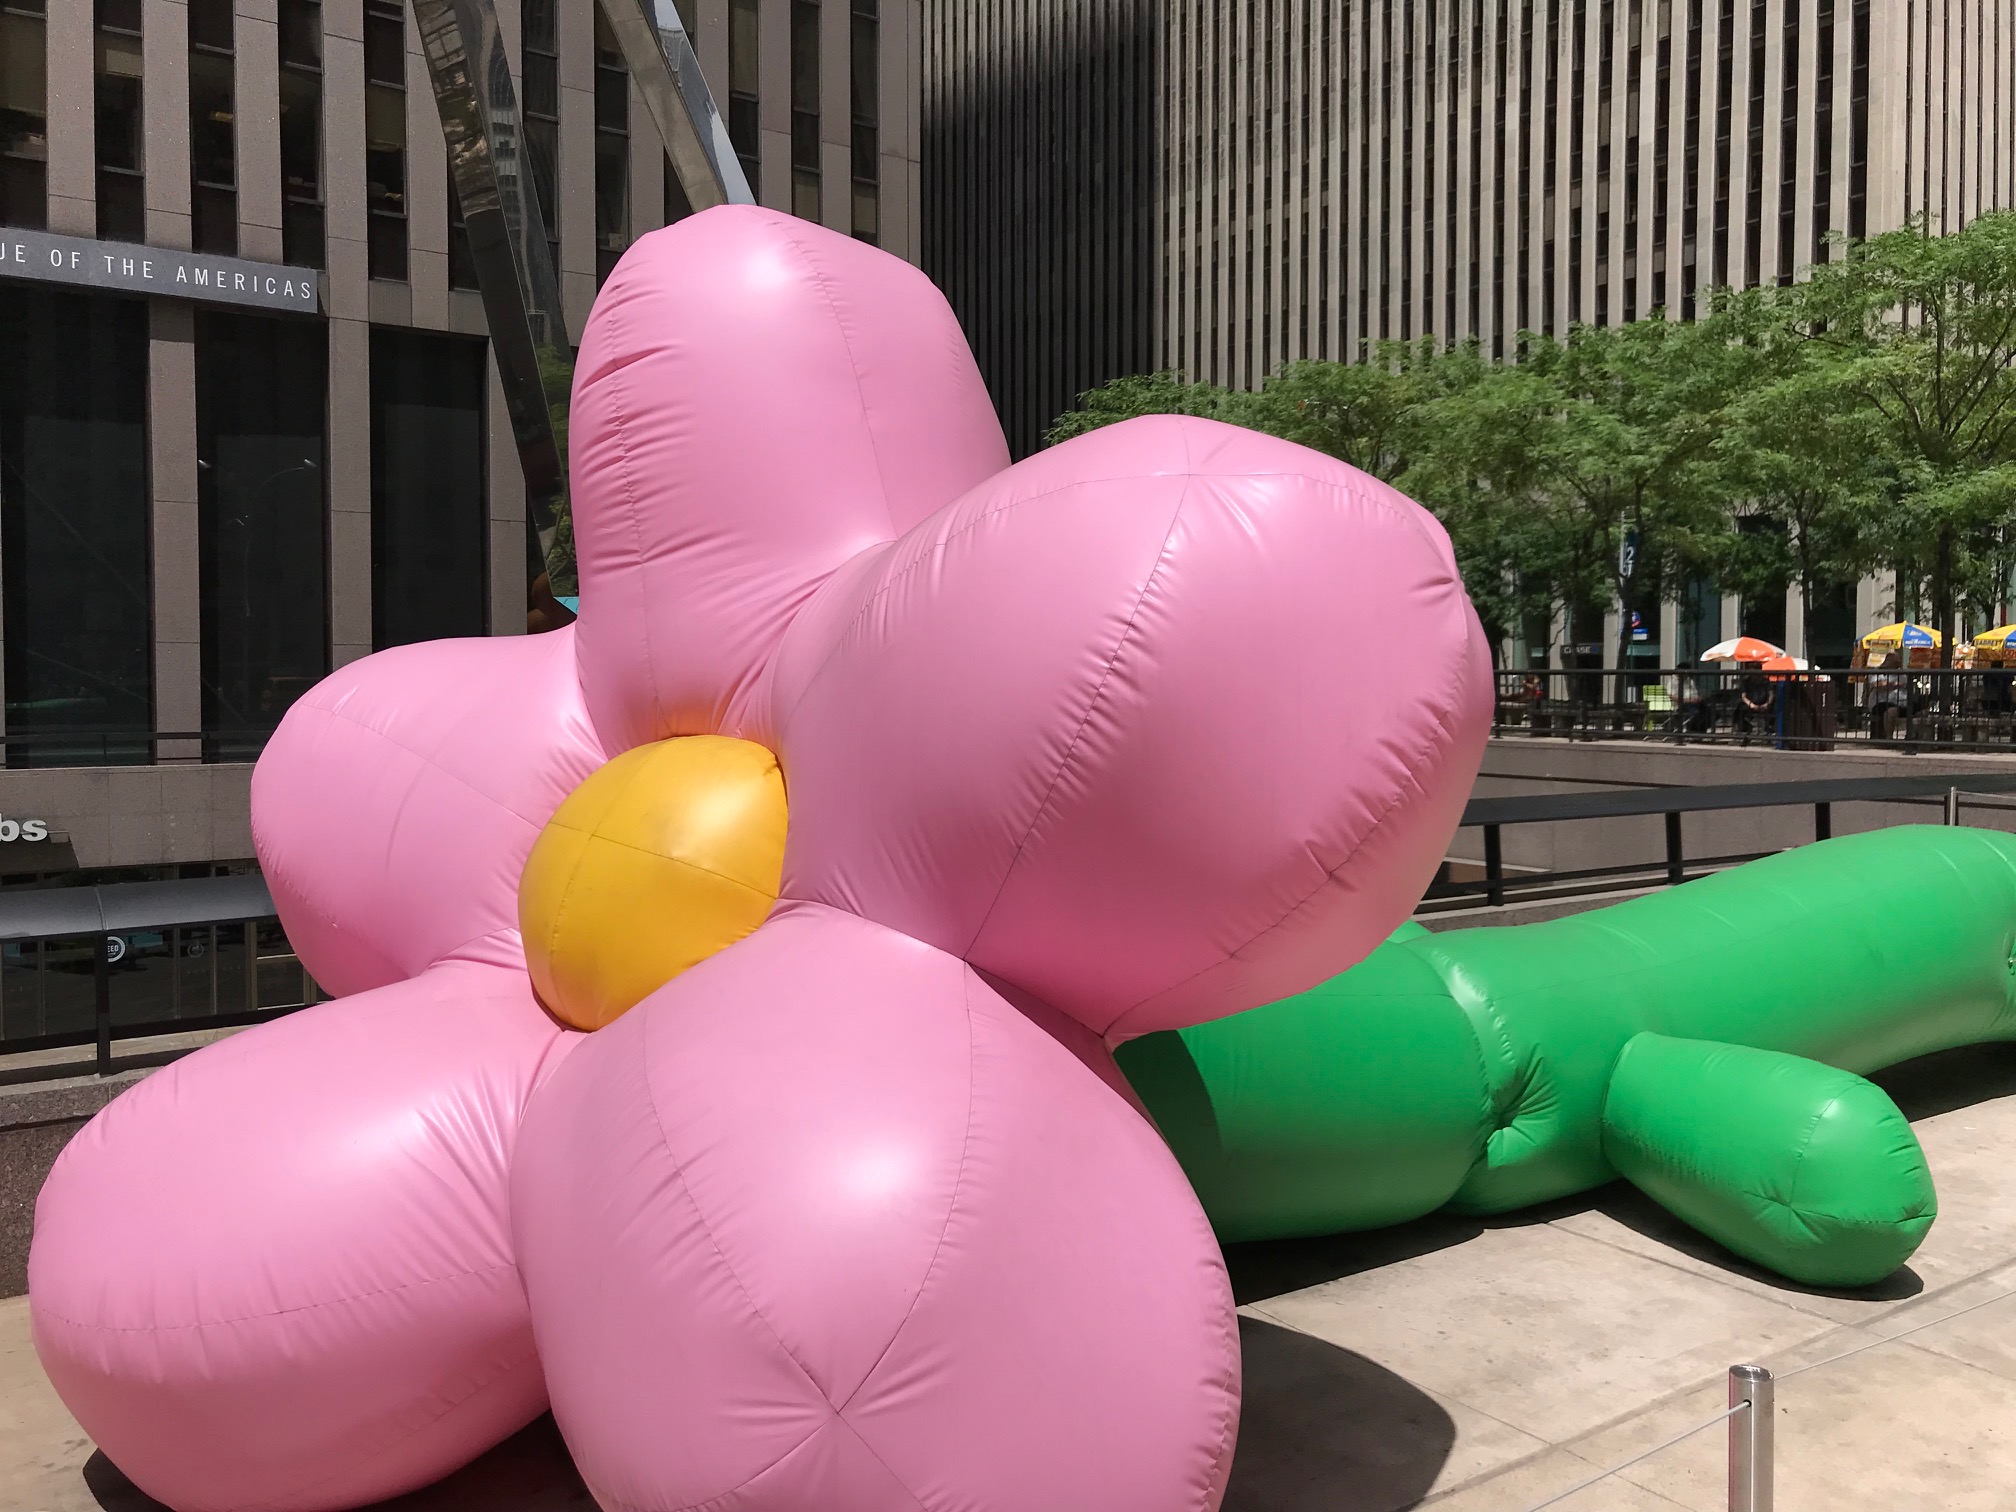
[
  {"x": 1327, "y": 174},
  {"x": 1337, "y": 174},
  {"x": 250, "y": 428},
  {"x": 1340, "y": 173},
  {"x": 1042, "y": 217}
]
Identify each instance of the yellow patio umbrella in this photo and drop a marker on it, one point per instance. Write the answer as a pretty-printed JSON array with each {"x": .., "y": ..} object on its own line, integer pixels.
[
  {"x": 1891, "y": 637},
  {"x": 1998, "y": 644}
]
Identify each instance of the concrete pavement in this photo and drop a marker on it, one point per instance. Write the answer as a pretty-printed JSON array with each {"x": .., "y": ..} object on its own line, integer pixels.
[{"x": 1470, "y": 1367}]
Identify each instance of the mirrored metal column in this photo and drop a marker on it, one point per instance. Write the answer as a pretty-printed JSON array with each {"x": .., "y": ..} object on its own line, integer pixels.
[
  {"x": 479, "y": 109},
  {"x": 660, "y": 57},
  {"x": 471, "y": 71}
]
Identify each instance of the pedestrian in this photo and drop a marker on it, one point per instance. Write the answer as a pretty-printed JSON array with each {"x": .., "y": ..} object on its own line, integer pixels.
[{"x": 1759, "y": 698}]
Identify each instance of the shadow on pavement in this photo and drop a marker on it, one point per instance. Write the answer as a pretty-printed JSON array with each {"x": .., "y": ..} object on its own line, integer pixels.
[
  {"x": 1323, "y": 1430},
  {"x": 1326, "y": 1430},
  {"x": 1271, "y": 1267},
  {"x": 528, "y": 1472},
  {"x": 1935, "y": 1084}
]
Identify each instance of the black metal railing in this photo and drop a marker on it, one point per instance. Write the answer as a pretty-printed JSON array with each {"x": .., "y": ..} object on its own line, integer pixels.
[
  {"x": 91, "y": 966},
  {"x": 1492, "y": 884},
  {"x": 1948, "y": 709},
  {"x": 108, "y": 747}
]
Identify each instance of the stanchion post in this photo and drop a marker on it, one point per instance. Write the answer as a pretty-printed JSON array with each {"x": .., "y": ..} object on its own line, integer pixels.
[
  {"x": 1751, "y": 1393},
  {"x": 1952, "y": 805}
]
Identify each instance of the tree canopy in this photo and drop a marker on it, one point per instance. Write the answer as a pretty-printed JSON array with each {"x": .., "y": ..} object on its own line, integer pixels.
[{"x": 1863, "y": 418}]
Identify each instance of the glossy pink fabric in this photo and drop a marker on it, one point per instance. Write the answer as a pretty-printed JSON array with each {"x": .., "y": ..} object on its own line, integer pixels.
[
  {"x": 279, "y": 1274},
  {"x": 922, "y": 1257},
  {"x": 1208, "y": 775},
  {"x": 1152, "y": 727}
]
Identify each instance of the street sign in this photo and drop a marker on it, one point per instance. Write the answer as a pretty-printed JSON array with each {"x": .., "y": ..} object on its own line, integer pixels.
[{"x": 1627, "y": 554}]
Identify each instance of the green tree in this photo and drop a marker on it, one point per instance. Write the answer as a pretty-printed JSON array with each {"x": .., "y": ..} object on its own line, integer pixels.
[
  {"x": 1629, "y": 450},
  {"x": 1797, "y": 443},
  {"x": 1164, "y": 393},
  {"x": 1925, "y": 328}
]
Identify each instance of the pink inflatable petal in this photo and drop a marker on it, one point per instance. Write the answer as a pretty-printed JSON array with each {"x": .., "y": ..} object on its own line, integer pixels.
[
  {"x": 825, "y": 1223},
  {"x": 395, "y": 806},
  {"x": 278, "y": 1274},
  {"x": 1161, "y": 724},
  {"x": 757, "y": 400}
]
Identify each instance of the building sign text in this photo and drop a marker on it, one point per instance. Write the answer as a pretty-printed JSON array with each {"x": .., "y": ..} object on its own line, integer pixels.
[{"x": 134, "y": 269}]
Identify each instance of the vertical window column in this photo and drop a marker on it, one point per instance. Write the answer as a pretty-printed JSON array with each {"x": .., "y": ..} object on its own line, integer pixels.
[
  {"x": 75, "y": 527},
  {"x": 612, "y": 151},
  {"x": 213, "y": 143},
  {"x": 262, "y": 522},
  {"x": 539, "y": 33},
  {"x": 385, "y": 136},
  {"x": 805, "y": 109},
  {"x": 24, "y": 115},
  {"x": 122, "y": 162},
  {"x": 301, "y": 217},
  {"x": 865, "y": 91},
  {"x": 429, "y": 502},
  {"x": 744, "y": 39}
]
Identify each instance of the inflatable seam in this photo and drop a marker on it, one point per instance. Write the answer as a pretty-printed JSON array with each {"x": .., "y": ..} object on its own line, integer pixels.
[
  {"x": 707, "y": 1228},
  {"x": 619, "y": 427},
  {"x": 928, "y": 558},
  {"x": 951, "y": 1208},
  {"x": 821, "y": 282},
  {"x": 281, "y": 1312},
  {"x": 502, "y": 1373},
  {"x": 1091, "y": 707},
  {"x": 1410, "y": 783},
  {"x": 426, "y": 761}
]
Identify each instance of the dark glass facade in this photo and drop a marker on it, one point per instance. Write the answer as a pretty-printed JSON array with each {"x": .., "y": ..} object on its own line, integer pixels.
[
  {"x": 262, "y": 522},
  {"x": 121, "y": 130},
  {"x": 74, "y": 527},
  {"x": 429, "y": 527},
  {"x": 1040, "y": 184}
]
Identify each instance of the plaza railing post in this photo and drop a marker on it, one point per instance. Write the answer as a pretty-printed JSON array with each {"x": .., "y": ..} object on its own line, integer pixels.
[
  {"x": 1751, "y": 1392},
  {"x": 1676, "y": 865},
  {"x": 1494, "y": 866},
  {"x": 101, "y": 968},
  {"x": 1952, "y": 805}
]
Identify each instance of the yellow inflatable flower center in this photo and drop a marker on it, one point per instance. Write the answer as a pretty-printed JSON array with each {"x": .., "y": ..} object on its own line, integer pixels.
[{"x": 667, "y": 854}]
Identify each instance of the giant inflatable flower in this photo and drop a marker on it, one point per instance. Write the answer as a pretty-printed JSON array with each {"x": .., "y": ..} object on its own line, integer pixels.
[{"x": 878, "y": 789}]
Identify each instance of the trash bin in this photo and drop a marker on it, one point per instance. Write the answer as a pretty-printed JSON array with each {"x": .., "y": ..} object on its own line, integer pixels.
[{"x": 1809, "y": 714}]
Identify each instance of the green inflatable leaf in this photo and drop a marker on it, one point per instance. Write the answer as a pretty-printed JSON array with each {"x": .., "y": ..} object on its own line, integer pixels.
[{"x": 1803, "y": 1168}]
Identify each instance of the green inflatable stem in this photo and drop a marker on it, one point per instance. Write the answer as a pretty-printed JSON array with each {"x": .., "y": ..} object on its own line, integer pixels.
[{"x": 1472, "y": 1068}]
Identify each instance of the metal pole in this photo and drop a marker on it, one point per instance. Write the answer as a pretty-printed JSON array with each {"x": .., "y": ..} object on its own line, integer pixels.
[
  {"x": 1751, "y": 1392},
  {"x": 1494, "y": 866},
  {"x": 1952, "y": 805},
  {"x": 1676, "y": 865},
  {"x": 101, "y": 968}
]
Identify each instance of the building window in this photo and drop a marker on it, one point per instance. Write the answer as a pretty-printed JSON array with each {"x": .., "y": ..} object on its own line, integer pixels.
[
  {"x": 74, "y": 528},
  {"x": 429, "y": 511},
  {"x": 301, "y": 218},
  {"x": 805, "y": 109},
  {"x": 864, "y": 90},
  {"x": 24, "y": 115},
  {"x": 385, "y": 136},
  {"x": 213, "y": 150},
  {"x": 262, "y": 522},
  {"x": 539, "y": 33},
  {"x": 612, "y": 151},
  {"x": 744, "y": 36},
  {"x": 122, "y": 162}
]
